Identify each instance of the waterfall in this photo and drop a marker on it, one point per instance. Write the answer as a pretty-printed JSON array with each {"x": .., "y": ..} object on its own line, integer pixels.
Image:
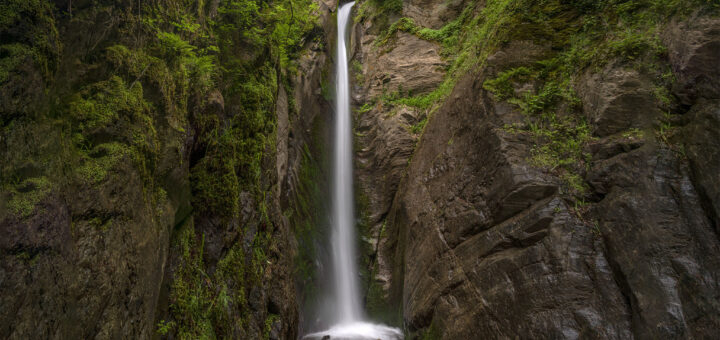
[
  {"x": 343, "y": 212},
  {"x": 348, "y": 313}
]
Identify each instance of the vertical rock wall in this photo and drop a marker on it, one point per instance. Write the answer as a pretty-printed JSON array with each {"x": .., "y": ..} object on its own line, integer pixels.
[
  {"x": 111, "y": 146},
  {"x": 472, "y": 239}
]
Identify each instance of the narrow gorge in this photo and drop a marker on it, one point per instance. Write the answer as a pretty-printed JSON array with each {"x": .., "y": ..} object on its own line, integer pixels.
[{"x": 393, "y": 169}]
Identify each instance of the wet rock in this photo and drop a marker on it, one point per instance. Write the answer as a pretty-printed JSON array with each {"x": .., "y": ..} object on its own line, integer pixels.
[
  {"x": 94, "y": 260},
  {"x": 409, "y": 66},
  {"x": 702, "y": 140},
  {"x": 618, "y": 99},
  {"x": 694, "y": 46},
  {"x": 660, "y": 244},
  {"x": 494, "y": 251},
  {"x": 482, "y": 244}
]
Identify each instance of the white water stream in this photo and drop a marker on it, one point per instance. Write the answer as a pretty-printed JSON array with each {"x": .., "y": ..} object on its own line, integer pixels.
[
  {"x": 349, "y": 323},
  {"x": 343, "y": 212}
]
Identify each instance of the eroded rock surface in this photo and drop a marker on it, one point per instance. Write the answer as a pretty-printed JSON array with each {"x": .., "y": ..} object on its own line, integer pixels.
[
  {"x": 481, "y": 243},
  {"x": 618, "y": 99},
  {"x": 384, "y": 132}
]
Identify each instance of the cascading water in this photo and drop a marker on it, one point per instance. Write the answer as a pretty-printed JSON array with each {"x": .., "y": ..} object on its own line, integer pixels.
[
  {"x": 343, "y": 213},
  {"x": 349, "y": 322}
]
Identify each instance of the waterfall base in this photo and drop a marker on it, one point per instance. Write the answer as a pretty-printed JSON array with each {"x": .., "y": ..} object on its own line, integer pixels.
[{"x": 357, "y": 331}]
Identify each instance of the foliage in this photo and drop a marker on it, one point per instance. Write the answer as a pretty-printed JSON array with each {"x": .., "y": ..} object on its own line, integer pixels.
[
  {"x": 102, "y": 107},
  {"x": 419, "y": 127},
  {"x": 198, "y": 300},
  {"x": 357, "y": 70},
  {"x": 173, "y": 76},
  {"x": 579, "y": 34},
  {"x": 102, "y": 103},
  {"x": 502, "y": 86},
  {"x": 366, "y": 107},
  {"x": 404, "y": 24},
  {"x": 380, "y": 12},
  {"x": 29, "y": 36},
  {"x": 244, "y": 51},
  {"x": 26, "y": 195}
]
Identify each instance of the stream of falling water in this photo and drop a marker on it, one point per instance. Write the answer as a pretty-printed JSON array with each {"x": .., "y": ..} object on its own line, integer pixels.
[
  {"x": 349, "y": 322},
  {"x": 343, "y": 212}
]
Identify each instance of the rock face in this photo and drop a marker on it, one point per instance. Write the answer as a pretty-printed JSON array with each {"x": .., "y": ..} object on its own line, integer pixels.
[
  {"x": 693, "y": 45},
  {"x": 701, "y": 138},
  {"x": 385, "y": 139},
  {"x": 617, "y": 100},
  {"x": 109, "y": 159},
  {"x": 477, "y": 241},
  {"x": 60, "y": 271},
  {"x": 140, "y": 199},
  {"x": 494, "y": 250}
]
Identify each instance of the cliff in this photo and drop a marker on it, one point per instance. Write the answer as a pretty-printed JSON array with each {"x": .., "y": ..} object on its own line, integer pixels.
[
  {"x": 524, "y": 169},
  {"x": 150, "y": 157},
  {"x": 541, "y": 169}
]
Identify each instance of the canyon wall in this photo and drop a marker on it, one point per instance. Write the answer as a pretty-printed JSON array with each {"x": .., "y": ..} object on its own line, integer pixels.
[
  {"x": 563, "y": 185},
  {"x": 525, "y": 169},
  {"x": 152, "y": 165}
]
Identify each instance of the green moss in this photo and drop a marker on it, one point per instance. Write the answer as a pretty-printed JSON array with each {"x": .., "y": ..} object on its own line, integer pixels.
[
  {"x": 25, "y": 196},
  {"x": 306, "y": 220},
  {"x": 504, "y": 85},
  {"x": 627, "y": 31},
  {"x": 103, "y": 103},
  {"x": 30, "y": 36},
  {"x": 403, "y": 24},
  {"x": 582, "y": 35},
  {"x": 420, "y": 126},
  {"x": 156, "y": 72},
  {"x": 164, "y": 327},
  {"x": 112, "y": 108},
  {"x": 380, "y": 12},
  {"x": 200, "y": 302},
  {"x": 269, "y": 321},
  {"x": 100, "y": 161},
  {"x": 365, "y": 108},
  {"x": 559, "y": 141},
  {"x": 215, "y": 185},
  {"x": 327, "y": 90},
  {"x": 357, "y": 70},
  {"x": 14, "y": 56}
]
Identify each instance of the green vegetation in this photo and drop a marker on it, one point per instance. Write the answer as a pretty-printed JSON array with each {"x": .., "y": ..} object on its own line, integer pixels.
[
  {"x": 420, "y": 126},
  {"x": 245, "y": 52},
  {"x": 403, "y": 24},
  {"x": 357, "y": 71},
  {"x": 269, "y": 321},
  {"x": 366, "y": 107},
  {"x": 308, "y": 218},
  {"x": 379, "y": 11},
  {"x": 577, "y": 35},
  {"x": 28, "y": 194},
  {"x": 199, "y": 301},
  {"x": 172, "y": 85},
  {"x": 433, "y": 332},
  {"x": 33, "y": 37}
]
